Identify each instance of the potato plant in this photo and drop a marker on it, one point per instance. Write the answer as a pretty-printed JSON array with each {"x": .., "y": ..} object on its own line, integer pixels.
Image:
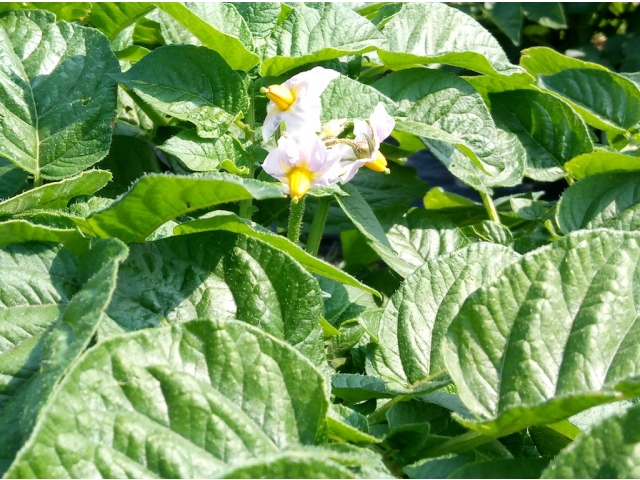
[{"x": 170, "y": 173}]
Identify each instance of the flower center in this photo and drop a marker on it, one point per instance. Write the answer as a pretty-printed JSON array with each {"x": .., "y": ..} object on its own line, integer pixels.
[
  {"x": 281, "y": 96},
  {"x": 299, "y": 182},
  {"x": 379, "y": 164}
]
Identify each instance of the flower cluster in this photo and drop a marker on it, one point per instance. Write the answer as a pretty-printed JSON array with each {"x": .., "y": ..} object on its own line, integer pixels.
[{"x": 304, "y": 159}]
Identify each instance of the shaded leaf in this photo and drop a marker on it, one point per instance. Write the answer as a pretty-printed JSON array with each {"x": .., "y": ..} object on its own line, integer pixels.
[{"x": 508, "y": 17}]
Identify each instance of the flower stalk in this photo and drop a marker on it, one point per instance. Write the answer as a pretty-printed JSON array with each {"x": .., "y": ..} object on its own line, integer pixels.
[
  {"x": 296, "y": 211},
  {"x": 317, "y": 226}
]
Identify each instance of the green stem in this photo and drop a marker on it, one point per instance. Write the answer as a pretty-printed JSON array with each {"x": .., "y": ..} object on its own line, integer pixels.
[
  {"x": 245, "y": 205},
  {"x": 491, "y": 208},
  {"x": 295, "y": 220},
  {"x": 37, "y": 180},
  {"x": 317, "y": 227}
]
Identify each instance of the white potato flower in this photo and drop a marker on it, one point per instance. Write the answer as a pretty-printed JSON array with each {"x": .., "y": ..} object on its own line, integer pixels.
[
  {"x": 302, "y": 161},
  {"x": 297, "y": 102}
]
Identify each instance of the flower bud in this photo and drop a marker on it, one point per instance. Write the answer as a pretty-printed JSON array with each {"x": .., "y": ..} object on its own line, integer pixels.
[
  {"x": 299, "y": 182},
  {"x": 281, "y": 96},
  {"x": 379, "y": 164}
]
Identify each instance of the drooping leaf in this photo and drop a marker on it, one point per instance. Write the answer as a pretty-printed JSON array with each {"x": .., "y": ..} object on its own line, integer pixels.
[
  {"x": 58, "y": 100},
  {"x": 219, "y": 27},
  {"x": 57, "y": 348},
  {"x": 417, "y": 316},
  {"x": 221, "y": 220},
  {"x": 156, "y": 199},
  {"x": 56, "y": 195},
  {"x": 204, "y": 397},
  {"x": 113, "y": 17},
  {"x": 190, "y": 83},
  {"x": 437, "y": 33},
  {"x": 324, "y": 32},
  {"x": 601, "y": 161},
  {"x": 208, "y": 155},
  {"x": 20, "y": 231},
  {"x": 596, "y": 200},
  {"x": 507, "y": 16},
  {"x": 556, "y": 333},
  {"x": 548, "y": 128},
  {"x": 360, "y": 213},
  {"x": 608, "y": 450},
  {"x": 219, "y": 275}
]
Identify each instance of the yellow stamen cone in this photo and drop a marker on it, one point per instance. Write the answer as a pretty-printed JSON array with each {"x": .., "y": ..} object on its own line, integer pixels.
[
  {"x": 281, "y": 96},
  {"x": 379, "y": 164},
  {"x": 299, "y": 183}
]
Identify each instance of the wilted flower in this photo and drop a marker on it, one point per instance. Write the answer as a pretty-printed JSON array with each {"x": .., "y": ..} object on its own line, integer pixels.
[
  {"x": 297, "y": 102},
  {"x": 368, "y": 137},
  {"x": 302, "y": 161}
]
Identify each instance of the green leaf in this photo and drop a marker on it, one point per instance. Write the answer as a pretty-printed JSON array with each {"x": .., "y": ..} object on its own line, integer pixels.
[
  {"x": 56, "y": 195},
  {"x": 261, "y": 17},
  {"x": 189, "y": 401},
  {"x": 548, "y": 128},
  {"x": 438, "y": 199},
  {"x": 221, "y": 220},
  {"x": 550, "y": 15},
  {"x": 348, "y": 98},
  {"x": 437, "y": 33},
  {"x": 219, "y": 275},
  {"x": 604, "y": 99},
  {"x": 134, "y": 53},
  {"x": 12, "y": 178},
  {"x": 58, "y": 348},
  {"x": 360, "y": 213},
  {"x": 348, "y": 425},
  {"x": 68, "y": 11},
  {"x": 601, "y": 161},
  {"x": 219, "y": 27},
  {"x": 488, "y": 231},
  {"x": 354, "y": 388},
  {"x": 419, "y": 236},
  {"x": 507, "y": 16},
  {"x": 207, "y": 155},
  {"x": 20, "y": 231},
  {"x": 530, "y": 347},
  {"x": 324, "y": 32},
  {"x": 597, "y": 200},
  {"x": 417, "y": 316},
  {"x": 190, "y": 83},
  {"x": 608, "y": 450},
  {"x": 502, "y": 468},
  {"x": 156, "y": 199},
  {"x": 546, "y": 61},
  {"x": 129, "y": 158},
  {"x": 113, "y": 17},
  {"x": 58, "y": 100}
]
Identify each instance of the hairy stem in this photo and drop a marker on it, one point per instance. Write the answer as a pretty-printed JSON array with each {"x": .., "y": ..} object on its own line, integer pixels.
[
  {"x": 295, "y": 220},
  {"x": 317, "y": 227},
  {"x": 491, "y": 208}
]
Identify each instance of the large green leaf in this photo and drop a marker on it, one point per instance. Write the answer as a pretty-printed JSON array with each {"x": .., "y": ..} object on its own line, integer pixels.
[
  {"x": 219, "y": 27},
  {"x": 56, "y": 195},
  {"x": 12, "y": 178},
  {"x": 417, "y": 316},
  {"x": 596, "y": 200},
  {"x": 360, "y": 213},
  {"x": 55, "y": 349},
  {"x": 156, "y": 199},
  {"x": 556, "y": 333},
  {"x": 348, "y": 98},
  {"x": 546, "y": 61},
  {"x": 189, "y": 401},
  {"x": 57, "y": 99},
  {"x": 601, "y": 161},
  {"x": 324, "y": 32},
  {"x": 437, "y": 33},
  {"x": 608, "y": 450},
  {"x": 605, "y": 100},
  {"x": 206, "y": 154},
  {"x": 221, "y": 220},
  {"x": 113, "y": 17},
  {"x": 219, "y": 274},
  {"x": 20, "y": 231},
  {"x": 548, "y": 128},
  {"x": 190, "y": 83}
]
